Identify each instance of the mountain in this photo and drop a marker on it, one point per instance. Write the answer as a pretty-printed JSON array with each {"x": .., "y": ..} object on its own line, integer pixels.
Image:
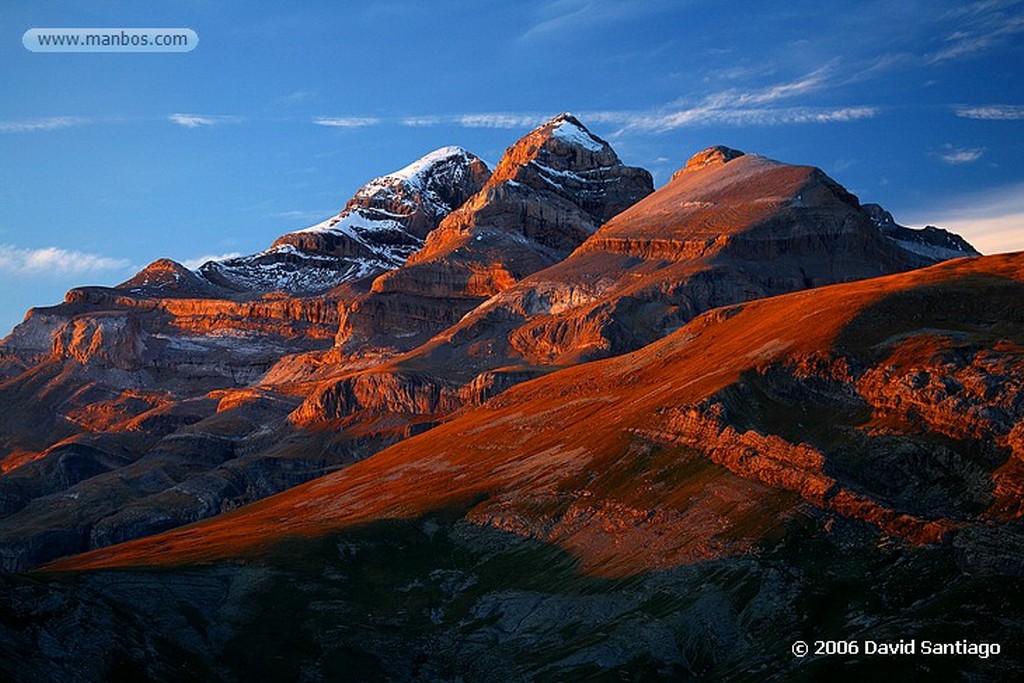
[
  {"x": 180, "y": 395},
  {"x": 385, "y": 222},
  {"x": 545, "y": 423},
  {"x": 718, "y": 389},
  {"x": 837, "y": 463},
  {"x": 145, "y": 391}
]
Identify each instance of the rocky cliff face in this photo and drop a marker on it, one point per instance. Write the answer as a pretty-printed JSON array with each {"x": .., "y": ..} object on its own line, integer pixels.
[
  {"x": 152, "y": 374},
  {"x": 798, "y": 396},
  {"x": 729, "y": 227},
  {"x": 550, "y": 191}
]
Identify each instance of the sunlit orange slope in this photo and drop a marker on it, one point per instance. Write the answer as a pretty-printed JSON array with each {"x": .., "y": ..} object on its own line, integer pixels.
[
  {"x": 707, "y": 442},
  {"x": 729, "y": 227}
]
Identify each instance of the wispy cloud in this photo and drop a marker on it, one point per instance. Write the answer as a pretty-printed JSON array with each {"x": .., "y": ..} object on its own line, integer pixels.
[
  {"x": 979, "y": 26},
  {"x": 754, "y": 117},
  {"x": 961, "y": 155},
  {"x": 758, "y": 106},
  {"x": 41, "y": 124},
  {"x": 422, "y": 121},
  {"x": 194, "y": 263},
  {"x": 738, "y": 107},
  {"x": 55, "y": 261},
  {"x": 347, "y": 121},
  {"x": 816, "y": 80},
  {"x": 992, "y": 112},
  {"x": 475, "y": 120},
  {"x": 298, "y": 97},
  {"x": 202, "y": 120},
  {"x": 498, "y": 120},
  {"x": 557, "y": 18}
]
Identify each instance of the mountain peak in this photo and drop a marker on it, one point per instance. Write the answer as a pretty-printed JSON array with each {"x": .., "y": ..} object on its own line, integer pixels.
[
  {"x": 568, "y": 129},
  {"x": 712, "y": 156},
  {"x": 562, "y": 145},
  {"x": 168, "y": 277},
  {"x": 415, "y": 171},
  {"x": 381, "y": 225}
]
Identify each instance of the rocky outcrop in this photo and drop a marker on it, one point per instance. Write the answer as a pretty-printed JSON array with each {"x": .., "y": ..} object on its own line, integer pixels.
[{"x": 699, "y": 444}]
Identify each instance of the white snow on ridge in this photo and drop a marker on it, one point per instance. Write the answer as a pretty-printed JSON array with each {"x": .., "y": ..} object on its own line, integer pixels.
[
  {"x": 301, "y": 273},
  {"x": 373, "y": 225},
  {"x": 351, "y": 224},
  {"x": 573, "y": 134},
  {"x": 414, "y": 172},
  {"x": 929, "y": 250}
]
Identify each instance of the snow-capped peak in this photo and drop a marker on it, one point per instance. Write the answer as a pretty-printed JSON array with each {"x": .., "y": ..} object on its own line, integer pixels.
[
  {"x": 568, "y": 130},
  {"x": 378, "y": 229},
  {"x": 415, "y": 171}
]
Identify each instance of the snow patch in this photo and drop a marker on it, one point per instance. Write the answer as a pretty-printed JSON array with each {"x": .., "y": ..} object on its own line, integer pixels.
[
  {"x": 414, "y": 172},
  {"x": 929, "y": 250},
  {"x": 567, "y": 131}
]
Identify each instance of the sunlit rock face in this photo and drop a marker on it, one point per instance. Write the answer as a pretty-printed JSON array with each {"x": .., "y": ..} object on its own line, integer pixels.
[{"x": 550, "y": 192}]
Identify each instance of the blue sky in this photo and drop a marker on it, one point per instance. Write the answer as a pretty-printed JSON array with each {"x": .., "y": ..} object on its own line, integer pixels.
[{"x": 109, "y": 161}]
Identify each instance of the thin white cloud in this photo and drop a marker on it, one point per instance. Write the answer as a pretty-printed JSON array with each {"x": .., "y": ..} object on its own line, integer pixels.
[
  {"x": 42, "y": 124},
  {"x": 556, "y": 19},
  {"x": 707, "y": 116},
  {"x": 475, "y": 120},
  {"x": 347, "y": 121},
  {"x": 500, "y": 120},
  {"x": 201, "y": 120},
  {"x": 992, "y": 112},
  {"x": 55, "y": 261},
  {"x": 719, "y": 109},
  {"x": 738, "y": 107},
  {"x": 422, "y": 121},
  {"x": 982, "y": 26},
  {"x": 194, "y": 263},
  {"x": 816, "y": 80},
  {"x": 961, "y": 155},
  {"x": 298, "y": 97}
]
